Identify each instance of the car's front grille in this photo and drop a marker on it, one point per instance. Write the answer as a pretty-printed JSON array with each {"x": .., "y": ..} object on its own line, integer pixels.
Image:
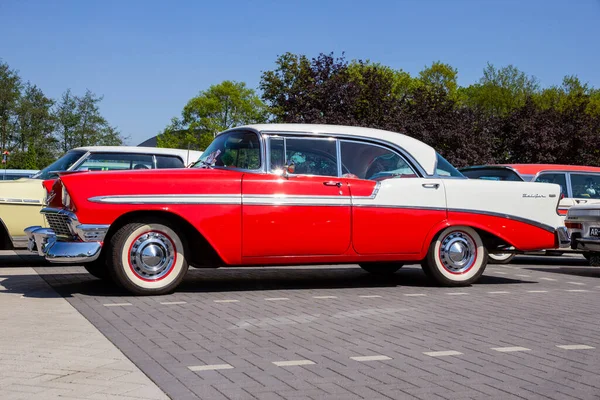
[{"x": 59, "y": 223}]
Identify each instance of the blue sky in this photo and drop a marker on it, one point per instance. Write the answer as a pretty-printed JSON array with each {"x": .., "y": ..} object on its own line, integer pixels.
[{"x": 148, "y": 58}]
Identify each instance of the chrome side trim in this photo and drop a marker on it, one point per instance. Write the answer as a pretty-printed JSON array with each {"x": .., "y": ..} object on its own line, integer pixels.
[
  {"x": 233, "y": 199},
  {"x": 400, "y": 207},
  {"x": 21, "y": 201},
  {"x": 168, "y": 199},
  {"x": 507, "y": 216}
]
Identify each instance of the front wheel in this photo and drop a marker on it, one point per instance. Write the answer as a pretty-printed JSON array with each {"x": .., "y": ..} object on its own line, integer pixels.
[
  {"x": 381, "y": 268},
  {"x": 148, "y": 257},
  {"x": 456, "y": 257}
]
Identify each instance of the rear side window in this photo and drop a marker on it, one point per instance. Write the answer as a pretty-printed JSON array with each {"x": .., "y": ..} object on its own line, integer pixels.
[
  {"x": 586, "y": 186},
  {"x": 554, "y": 177},
  {"x": 116, "y": 162},
  {"x": 169, "y": 162},
  {"x": 368, "y": 161}
]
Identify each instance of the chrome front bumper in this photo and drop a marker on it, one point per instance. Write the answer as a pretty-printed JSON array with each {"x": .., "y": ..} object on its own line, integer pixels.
[
  {"x": 44, "y": 242},
  {"x": 75, "y": 243}
]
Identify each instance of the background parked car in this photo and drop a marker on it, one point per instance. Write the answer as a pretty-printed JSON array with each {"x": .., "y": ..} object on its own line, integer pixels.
[
  {"x": 583, "y": 224},
  {"x": 579, "y": 184},
  {"x": 22, "y": 199},
  {"x": 13, "y": 174}
]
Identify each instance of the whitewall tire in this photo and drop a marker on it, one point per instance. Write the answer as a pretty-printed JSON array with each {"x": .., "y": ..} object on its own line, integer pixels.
[
  {"x": 456, "y": 257},
  {"x": 148, "y": 258},
  {"x": 500, "y": 258}
]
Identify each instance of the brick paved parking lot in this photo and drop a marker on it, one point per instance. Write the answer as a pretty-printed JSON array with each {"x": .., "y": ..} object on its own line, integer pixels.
[{"x": 527, "y": 330}]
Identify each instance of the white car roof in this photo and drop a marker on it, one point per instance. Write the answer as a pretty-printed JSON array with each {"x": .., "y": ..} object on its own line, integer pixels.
[
  {"x": 424, "y": 154},
  {"x": 187, "y": 155}
]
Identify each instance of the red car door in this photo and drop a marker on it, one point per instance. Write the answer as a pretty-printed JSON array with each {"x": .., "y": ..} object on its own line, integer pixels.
[{"x": 295, "y": 216}]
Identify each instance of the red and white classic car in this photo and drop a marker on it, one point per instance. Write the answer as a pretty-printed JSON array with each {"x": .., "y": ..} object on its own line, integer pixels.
[{"x": 295, "y": 194}]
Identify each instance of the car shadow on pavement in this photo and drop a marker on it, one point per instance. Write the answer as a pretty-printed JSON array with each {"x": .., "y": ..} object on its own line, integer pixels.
[
  {"x": 258, "y": 279},
  {"x": 586, "y": 272},
  {"x": 550, "y": 260}
]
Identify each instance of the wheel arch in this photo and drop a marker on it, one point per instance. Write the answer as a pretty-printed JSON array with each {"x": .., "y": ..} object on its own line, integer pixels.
[
  {"x": 6, "y": 242},
  {"x": 489, "y": 239},
  {"x": 203, "y": 254}
]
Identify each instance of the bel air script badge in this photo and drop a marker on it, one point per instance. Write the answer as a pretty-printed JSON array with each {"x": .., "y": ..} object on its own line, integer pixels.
[{"x": 534, "y": 196}]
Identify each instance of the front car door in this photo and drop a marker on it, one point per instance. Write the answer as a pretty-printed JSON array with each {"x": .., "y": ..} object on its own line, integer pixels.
[
  {"x": 305, "y": 213},
  {"x": 393, "y": 209}
]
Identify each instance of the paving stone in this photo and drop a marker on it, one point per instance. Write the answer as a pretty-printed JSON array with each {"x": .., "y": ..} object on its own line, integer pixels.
[{"x": 252, "y": 333}]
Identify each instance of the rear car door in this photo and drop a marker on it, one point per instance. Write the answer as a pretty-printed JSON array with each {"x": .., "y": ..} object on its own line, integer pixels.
[
  {"x": 393, "y": 209},
  {"x": 305, "y": 213}
]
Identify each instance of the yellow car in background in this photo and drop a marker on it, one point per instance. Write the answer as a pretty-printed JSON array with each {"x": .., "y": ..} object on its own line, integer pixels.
[{"x": 22, "y": 199}]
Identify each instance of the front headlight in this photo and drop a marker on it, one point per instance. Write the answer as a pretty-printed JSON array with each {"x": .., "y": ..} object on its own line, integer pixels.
[{"x": 66, "y": 199}]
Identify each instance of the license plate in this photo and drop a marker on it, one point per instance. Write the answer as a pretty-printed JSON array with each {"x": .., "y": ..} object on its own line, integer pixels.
[{"x": 595, "y": 232}]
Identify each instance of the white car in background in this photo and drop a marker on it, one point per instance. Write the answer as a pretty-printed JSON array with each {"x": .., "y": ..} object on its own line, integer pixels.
[
  {"x": 21, "y": 200},
  {"x": 583, "y": 224}
]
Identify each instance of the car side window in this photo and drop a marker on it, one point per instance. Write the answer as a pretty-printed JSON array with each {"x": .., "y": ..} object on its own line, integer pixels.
[
  {"x": 310, "y": 156},
  {"x": 116, "y": 162},
  {"x": 554, "y": 177},
  {"x": 586, "y": 186},
  {"x": 169, "y": 162},
  {"x": 369, "y": 161}
]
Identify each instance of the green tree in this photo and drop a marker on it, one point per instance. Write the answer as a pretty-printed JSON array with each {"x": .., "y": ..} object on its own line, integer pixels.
[
  {"x": 34, "y": 130},
  {"x": 500, "y": 91},
  {"x": 67, "y": 120},
  {"x": 216, "y": 109},
  {"x": 10, "y": 93},
  {"x": 440, "y": 76}
]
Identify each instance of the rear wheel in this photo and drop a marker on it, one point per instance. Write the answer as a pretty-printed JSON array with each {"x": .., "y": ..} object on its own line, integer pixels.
[
  {"x": 381, "y": 268},
  {"x": 456, "y": 257},
  {"x": 500, "y": 258},
  {"x": 148, "y": 257}
]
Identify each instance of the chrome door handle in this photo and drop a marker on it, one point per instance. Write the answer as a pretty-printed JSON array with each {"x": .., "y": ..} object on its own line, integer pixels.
[
  {"x": 431, "y": 185},
  {"x": 581, "y": 201},
  {"x": 332, "y": 183}
]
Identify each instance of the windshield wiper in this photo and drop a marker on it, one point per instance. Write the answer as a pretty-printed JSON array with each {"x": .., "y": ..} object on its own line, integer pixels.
[{"x": 205, "y": 164}]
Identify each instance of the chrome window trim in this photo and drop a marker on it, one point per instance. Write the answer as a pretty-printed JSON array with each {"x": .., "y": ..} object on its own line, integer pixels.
[
  {"x": 412, "y": 161},
  {"x": 338, "y": 154},
  {"x": 380, "y": 146}
]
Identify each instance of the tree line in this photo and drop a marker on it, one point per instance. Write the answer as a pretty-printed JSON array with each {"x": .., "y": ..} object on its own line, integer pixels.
[
  {"x": 36, "y": 129},
  {"x": 504, "y": 117}
]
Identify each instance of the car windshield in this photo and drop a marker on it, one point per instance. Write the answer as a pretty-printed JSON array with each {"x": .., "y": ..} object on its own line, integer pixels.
[
  {"x": 235, "y": 150},
  {"x": 60, "y": 165},
  {"x": 444, "y": 169}
]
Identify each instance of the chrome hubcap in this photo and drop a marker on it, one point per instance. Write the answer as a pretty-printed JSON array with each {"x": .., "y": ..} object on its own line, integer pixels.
[
  {"x": 457, "y": 252},
  {"x": 152, "y": 255}
]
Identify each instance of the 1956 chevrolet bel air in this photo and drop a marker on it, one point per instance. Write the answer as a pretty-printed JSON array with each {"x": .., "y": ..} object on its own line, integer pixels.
[{"x": 294, "y": 194}]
